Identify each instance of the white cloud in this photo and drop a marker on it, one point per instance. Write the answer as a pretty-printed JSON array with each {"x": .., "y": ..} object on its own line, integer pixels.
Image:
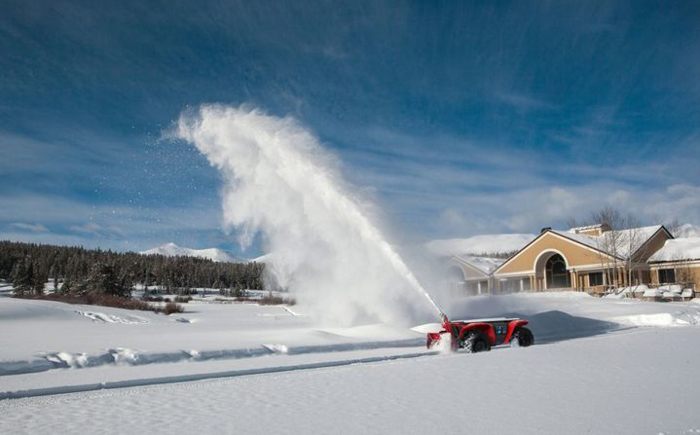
[
  {"x": 34, "y": 228},
  {"x": 96, "y": 229},
  {"x": 118, "y": 226},
  {"x": 523, "y": 102}
]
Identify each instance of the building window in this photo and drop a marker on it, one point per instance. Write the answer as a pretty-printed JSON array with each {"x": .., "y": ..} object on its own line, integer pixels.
[
  {"x": 667, "y": 276},
  {"x": 595, "y": 278},
  {"x": 526, "y": 283},
  {"x": 557, "y": 275}
]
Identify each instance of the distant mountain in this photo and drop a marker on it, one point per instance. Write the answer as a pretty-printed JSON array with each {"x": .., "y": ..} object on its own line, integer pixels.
[
  {"x": 483, "y": 244},
  {"x": 173, "y": 250},
  {"x": 261, "y": 259},
  {"x": 687, "y": 230}
]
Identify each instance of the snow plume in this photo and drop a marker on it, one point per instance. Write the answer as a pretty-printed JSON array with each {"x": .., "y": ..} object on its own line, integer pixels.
[{"x": 279, "y": 181}]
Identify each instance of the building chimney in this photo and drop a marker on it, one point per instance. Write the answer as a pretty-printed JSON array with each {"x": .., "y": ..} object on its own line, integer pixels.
[{"x": 545, "y": 229}]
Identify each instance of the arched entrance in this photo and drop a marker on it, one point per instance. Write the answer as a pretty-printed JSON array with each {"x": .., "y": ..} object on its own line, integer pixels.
[
  {"x": 556, "y": 273},
  {"x": 551, "y": 271}
]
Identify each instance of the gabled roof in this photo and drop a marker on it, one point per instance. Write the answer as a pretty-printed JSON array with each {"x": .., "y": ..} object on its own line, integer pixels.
[
  {"x": 598, "y": 243},
  {"x": 583, "y": 239},
  {"x": 681, "y": 249},
  {"x": 640, "y": 236},
  {"x": 485, "y": 265},
  {"x": 578, "y": 239}
]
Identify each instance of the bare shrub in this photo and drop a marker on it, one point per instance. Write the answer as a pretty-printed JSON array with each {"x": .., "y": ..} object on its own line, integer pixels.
[
  {"x": 108, "y": 301},
  {"x": 152, "y": 298},
  {"x": 170, "y": 308},
  {"x": 276, "y": 300}
]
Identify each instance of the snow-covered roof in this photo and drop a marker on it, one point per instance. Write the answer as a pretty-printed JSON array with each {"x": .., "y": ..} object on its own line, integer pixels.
[
  {"x": 484, "y": 264},
  {"x": 487, "y": 243},
  {"x": 591, "y": 241},
  {"x": 620, "y": 238},
  {"x": 687, "y": 248}
]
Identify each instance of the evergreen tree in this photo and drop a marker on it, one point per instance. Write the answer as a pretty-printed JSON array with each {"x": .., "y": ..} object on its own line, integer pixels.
[
  {"x": 29, "y": 266},
  {"x": 104, "y": 280},
  {"x": 22, "y": 277},
  {"x": 39, "y": 278},
  {"x": 67, "y": 286}
]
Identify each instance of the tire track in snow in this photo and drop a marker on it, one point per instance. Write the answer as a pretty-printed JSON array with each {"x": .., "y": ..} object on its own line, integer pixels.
[
  {"x": 62, "y": 360},
  {"x": 36, "y": 392}
]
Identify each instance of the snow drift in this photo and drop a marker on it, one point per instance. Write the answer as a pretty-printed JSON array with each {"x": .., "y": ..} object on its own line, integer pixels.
[{"x": 279, "y": 181}]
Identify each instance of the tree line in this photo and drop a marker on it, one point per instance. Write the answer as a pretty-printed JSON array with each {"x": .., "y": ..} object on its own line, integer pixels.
[{"x": 29, "y": 266}]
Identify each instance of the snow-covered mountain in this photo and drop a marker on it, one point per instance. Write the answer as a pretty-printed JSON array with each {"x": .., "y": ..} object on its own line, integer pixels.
[
  {"x": 479, "y": 244},
  {"x": 687, "y": 230},
  {"x": 173, "y": 250},
  {"x": 261, "y": 259}
]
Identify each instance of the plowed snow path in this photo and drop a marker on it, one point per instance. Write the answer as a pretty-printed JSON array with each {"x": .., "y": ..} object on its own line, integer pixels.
[{"x": 639, "y": 381}]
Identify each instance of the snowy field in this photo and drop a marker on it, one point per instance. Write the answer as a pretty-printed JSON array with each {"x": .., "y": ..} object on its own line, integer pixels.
[{"x": 599, "y": 366}]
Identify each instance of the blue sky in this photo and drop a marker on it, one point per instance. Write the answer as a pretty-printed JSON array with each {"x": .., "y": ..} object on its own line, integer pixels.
[{"x": 458, "y": 118}]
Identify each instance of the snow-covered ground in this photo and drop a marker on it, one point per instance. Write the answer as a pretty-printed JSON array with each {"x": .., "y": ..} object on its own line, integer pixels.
[
  {"x": 599, "y": 366},
  {"x": 48, "y": 335}
]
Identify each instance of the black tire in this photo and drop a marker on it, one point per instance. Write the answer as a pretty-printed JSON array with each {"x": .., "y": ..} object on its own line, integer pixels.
[
  {"x": 476, "y": 341},
  {"x": 522, "y": 337}
]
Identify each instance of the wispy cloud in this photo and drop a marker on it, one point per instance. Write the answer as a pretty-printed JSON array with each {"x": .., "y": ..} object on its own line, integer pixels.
[
  {"x": 34, "y": 228},
  {"x": 523, "y": 102},
  {"x": 95, "y": 229},
  {"x": 460, "y": 188},
  {"x": 118, "y": 226},
  {"x": 458, "y": 119}
]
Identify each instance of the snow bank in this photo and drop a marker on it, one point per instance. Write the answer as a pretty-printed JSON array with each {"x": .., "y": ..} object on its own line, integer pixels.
[
  {"x": 52, "y": 335},
  {"x": 633, "y": 290},
  {"x": 683, "y": 318},
  {"x": 111, "y": 318},
  {"x": 652, "y": 293},
  {"x": 119, "y": 356}
]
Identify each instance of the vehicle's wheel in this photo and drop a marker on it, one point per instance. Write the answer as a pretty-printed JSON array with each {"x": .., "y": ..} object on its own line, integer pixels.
[
  {"x": 522, "y": 337},
  {"x": 476, "y": 341}
]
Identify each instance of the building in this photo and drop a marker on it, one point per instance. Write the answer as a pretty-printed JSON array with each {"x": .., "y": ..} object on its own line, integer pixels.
[
  {"x": 474, "y": 272},
  {"x": 677, "y": 262},
  {"x": 592, "y": 259}
]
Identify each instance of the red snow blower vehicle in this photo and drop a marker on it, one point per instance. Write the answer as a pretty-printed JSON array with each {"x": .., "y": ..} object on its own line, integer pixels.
[{"x": 479, "y": 335}]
